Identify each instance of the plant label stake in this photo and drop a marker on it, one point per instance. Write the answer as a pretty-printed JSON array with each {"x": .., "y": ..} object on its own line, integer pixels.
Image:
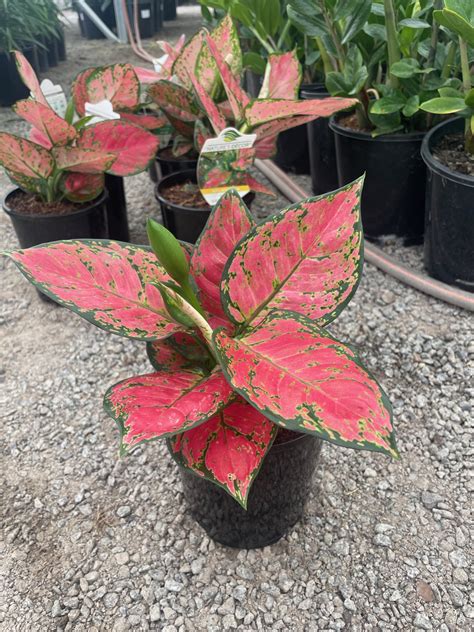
[
  {"x": 55, "y": 97},
  {"x": 101, "y": 111},
  {"x": 223, "y": 164}
]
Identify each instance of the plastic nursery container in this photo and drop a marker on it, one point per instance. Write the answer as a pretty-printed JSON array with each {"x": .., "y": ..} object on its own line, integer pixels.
[
  {"x": 62, "y": 54},
  {"x": 146, "y": 16},
  {"x": 449, "y": 227},
  {"x": 42, "y": 55},
  {"x": 393, "y": 198},
  {"x": 276, "y": 500},
  {"x": 186, "y": 223},
  {"x": 117, "y": 217},
  {"x": 169, "y": 10},
  {"x": 53, "y": 53},
  {"x": 164, "y": 166},
  {"x": 158, "y": 15},
  {"x": 31, "y": 54},
  {"x": 88, "y": 29},
  {"x": 12, "y": 88}
]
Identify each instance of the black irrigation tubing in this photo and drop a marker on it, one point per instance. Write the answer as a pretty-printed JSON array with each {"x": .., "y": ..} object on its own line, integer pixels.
[{"x": 372, "y": 254}]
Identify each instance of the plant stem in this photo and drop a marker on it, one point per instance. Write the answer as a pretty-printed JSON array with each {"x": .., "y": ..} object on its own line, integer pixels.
[
  {"x": 438, "y": 4},
  {"x": 283, "y": 34},
  {"x": 466, "y": 82},
  {"x": 392, "y": 41},
  {"x": 449, "y": 61},
  {"x": 329, "y": 64},
  {"x": 263, "y": 42},
  {"x": 333, "y": 32}
]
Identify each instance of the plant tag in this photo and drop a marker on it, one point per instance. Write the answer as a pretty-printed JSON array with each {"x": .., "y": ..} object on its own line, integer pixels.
[
  {"x": 101, "y": 111},
  {"x": 54, "y": 95},
  {"x": 145, "y": 13},
  {"x": 224, "y": 163},
  {"x": 158, "y": 62}
]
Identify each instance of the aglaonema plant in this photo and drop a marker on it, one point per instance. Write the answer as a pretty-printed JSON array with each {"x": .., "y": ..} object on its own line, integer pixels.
[
  {"x": 68, "y": 160},
  {"x": 235, "y": 328}
]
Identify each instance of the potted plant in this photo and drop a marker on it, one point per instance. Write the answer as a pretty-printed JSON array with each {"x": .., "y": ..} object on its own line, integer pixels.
[
  {"x": 247, "y": 379},
  {"x": 448, "y": 152},
  {"x": 119, "y": 84},
  {"x": 60, "y": 171}
]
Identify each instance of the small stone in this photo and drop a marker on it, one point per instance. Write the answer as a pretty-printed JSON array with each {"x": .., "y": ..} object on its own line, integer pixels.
[
  {"x": 396, "y": 595},
  {"x": 424, "y": 591},
  {"x": 387, "y": 297},
  {"x": 457, "y": 598},
  {"x": 244, "y": 572},
  {"x": 229, "y": 622},
  {"x": 422, "y": 622},
  {"x": 460, "y": 576},
  {"x": 349, "y": 605},
  {"x": 197, "y": 565},
  {"x": 110, "y": 600},
  {"x": 430, "y": 499},
  {"x": 458, "y": 558},
  {"x": 228, "y": 607},
  {"x": 92, "y": 577},
  {"x": 56, "y": 609},
  {"x": 239, "y": 592},
  {"x": 305, "y": 604},
  {"x": 173, "y": 586},
  {"x": 155, "y": 613},
  {"x": 122, "y": 558},
  {"x": 370, "y": 472},
  {"x": 124, "y": 511},
  {"x": 38, "y": 504},
  {"x": 285, "y": 583},
  {"x": 382, "y": 540}
]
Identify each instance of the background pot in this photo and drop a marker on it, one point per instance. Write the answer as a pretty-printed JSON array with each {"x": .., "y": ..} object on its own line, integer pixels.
[
  {"x": 146, "y": 16},
  {"x": 42, "y": 55},
  {"x": 117, "y": 217},
  {"x": 62, "y": 55},
  {"x": 158, "y": 15},
  {"x": 169, "y": 10},
  {"x": 321, "y": 147},
  {"x": 186, "y": 223},
  {"x": 393, "y": 198},
  {"x": 88, "y": 28},
  {"x": 276, "y": 500},
  {"x": 52, "y": 49},
  {"x": 31, "y": 54},
  {"x": 292, "y": 145},
  {"x": 12, "y": 88},
  {"x": 449, "y": 228},
  {"x": 164, "y": 166}
]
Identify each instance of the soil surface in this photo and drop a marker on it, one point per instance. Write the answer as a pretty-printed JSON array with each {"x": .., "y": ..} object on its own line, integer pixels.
[
  {"x": 185, "y": 194},
  {"x": 350, "y": 121},
  {"x": 167, "y": 154},
  {"x": 30, "y": 204},
  {"x": 451, "y": 153}
]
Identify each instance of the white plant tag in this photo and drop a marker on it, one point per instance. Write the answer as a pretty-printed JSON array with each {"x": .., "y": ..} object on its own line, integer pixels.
[
  {"x": 54, "y": 95},
  {"x": 145, "y": 13},
  {"x": 101, "y": 111},
  {"x": 158, "y": 62},
  {"x": 228, "y": 140}
]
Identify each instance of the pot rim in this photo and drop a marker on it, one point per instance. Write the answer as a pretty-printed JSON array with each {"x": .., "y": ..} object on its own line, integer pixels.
[
  {"x": 44, "y": 218},
  {"x": 158, "y": 158},
  {"x": 435, "y": 165},
  {"x": 337, "y": 128}
]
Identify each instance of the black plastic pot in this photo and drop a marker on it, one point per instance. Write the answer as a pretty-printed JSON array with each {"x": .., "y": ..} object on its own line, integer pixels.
[
  {"x": 12, "y": 88},
  {"x": 42, "y": 55},
  {"x": 163, "y": 167},
  {"x": 88, "y": 28},
  {"x": 276, "y": 500},
  {"x": 62, "y": 55},
  {"x": 393, "y": 198},
  {"x": 449, "y": 227},
  {"x": 292, "y": 145},
  {"x": 158, "y": 15},
  {"x": 53, "y": 54},
  {"x": 117, "y": 217},
  {"x": 146, "y": 17},
  {"x": 322, "y": 148},
  {"x": 186, "y": 223},
  {"x": 169, "y": 10},
  {"x": 31, "y": 230},
  {"x": 31, "y": 54}
]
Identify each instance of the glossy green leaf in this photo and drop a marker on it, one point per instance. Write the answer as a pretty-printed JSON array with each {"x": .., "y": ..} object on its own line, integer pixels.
[{"x": 443, "y": 105}]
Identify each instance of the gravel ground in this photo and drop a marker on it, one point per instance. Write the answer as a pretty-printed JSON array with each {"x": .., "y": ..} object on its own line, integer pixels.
[{"x": 93, "y": 543}]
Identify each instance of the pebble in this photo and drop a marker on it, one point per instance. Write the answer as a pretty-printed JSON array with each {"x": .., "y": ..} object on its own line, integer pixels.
[
  {"x": 422, "y": 622},
  {"x": 124, "y": 511},
  {"x": 110, "y": 600},
  {"x": 430, "y": 499},
  {"x": 155, "y": 613}
]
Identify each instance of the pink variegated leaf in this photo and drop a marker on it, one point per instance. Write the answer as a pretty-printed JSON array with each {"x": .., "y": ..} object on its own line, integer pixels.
[
  {"x": 161, "y": 404},
  {"x": 173, "y": 50},
  {"x": 227, "y": 450},
  {"x": 179, "y": 351},
  {"x": 282, "y": 78},
  {"x": 174, "y": 100},
  {"x": 117, "y": 83},
  {"x": 186, "y": 60},
  {"x": 229, "y": 221},
  {"x": 82, "y": 187},
  {"x": 226, "y": 110},
  {"x": 147, "y": 75},
  {"x": 306, "y": 259},
  {"x": 82, "y": 160},
  {"x": 238, "y": 98},
  {"x": 296, "y": 374},
  {"x": 201, "y": 134},
  {"x": 226, "y": 40},
  {"x": 134, "y": 146},
  {"x": 259, "y": 187},
  {"x": 265, "y": 110},
  {"x": 25, "y": 158},
  {"x": 147, "y": 121},
  {"x": 46, "y": 121},
  {"x": 39, "y": 138},
  {"x": 110, "y": 284},
  {"x": 29, "y": 77},
  {"x": 216, "y": 119},
  {"x": 79, "y": 91},
  {"x": 181, "y": 127}
]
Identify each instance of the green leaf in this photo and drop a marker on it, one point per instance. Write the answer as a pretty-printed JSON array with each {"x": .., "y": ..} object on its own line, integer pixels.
[
  {"x": 254, "y": 62},
  {"x": 414, "y": 23},
  {"x": 455, "y": 22},
  {"x": 443, "y": 105},
  {"x": 405, "y": 68},
  {"x": 358, "y": 16},
  {"x": 450, "y": 92},
  {"x": 388, "y": 105},
  {"x": 307, "y": 23},
  {"x": 412, "y": 106},
  {"x": 168, "y": 250},
  {"x": 469, "y": 100}
]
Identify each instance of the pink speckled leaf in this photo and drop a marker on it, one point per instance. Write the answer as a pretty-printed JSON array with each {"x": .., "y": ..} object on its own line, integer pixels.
[
  {"x": 216, "y": 119},
  {"x": 201, "y": 134},
  {"x": 228, "y": 449},
  {"x": 175, "y": 100},
  {"x": 82, "y": 160},
  {"x": 186, "y": 60},
  {"x": 282, "y": 77},
  {"x": 117, "y": 83},
  {"x": 29, "y": 77},
  {"x": 226, "y": 39},
  {"x": 238, "y": 98},
  {"x": 46, "y": 121},
  {"x": 82, "y": 187},
  {"x": 265, "y": 110},
  {"x": 110, "y": 284},
  {"x": 306, "y": 258},
  {"x": 25, "y": 158},
  {"x": 301, "y": 378},
  {"x": 134, "y": 146},
  {"x": 258, "y": 187},
  {"x": 147, "y": 75},
  {"x": 79, "y": 90},
  {"x": 230, "y": 220},
  {"x": 161, "y": 404},
  {"x": 151, "y": 122},
  {"x": 179, "y": 351}
]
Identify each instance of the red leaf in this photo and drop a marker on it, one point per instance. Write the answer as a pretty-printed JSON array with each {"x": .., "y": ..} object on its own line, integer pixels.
[
  {"x": 82, "y": 160},
  {"x": 258, "y": 187},
  {"x": 210, "y": 108},
  {"x": 110, "y": 284},
  {"x": 301, "y": 378},
  {"x": 25, "y": 158},
  {"x": 265, "y": 110},
  {"x": 161, "y": 404},
  {"x": 147, "y": 121},
  {"x": 117, "y": 83},
  {"x": 174, "y": 100},
  {"x": 186, "y": 60},
  {"x": 282, "y": 77},
  {"x": 228, "y": 449},
  {"x": 83, "y": 187},
  {"x": 46, "y": 121},
  {"x": 29, "y": 77},
  {"x": 79, "y": 90},
  {"x": 179, "y": 351},
  {"x": 134, "y": 147},
  {"x": 306, "y": 259},
  {"x": 230, "y": 220}
]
